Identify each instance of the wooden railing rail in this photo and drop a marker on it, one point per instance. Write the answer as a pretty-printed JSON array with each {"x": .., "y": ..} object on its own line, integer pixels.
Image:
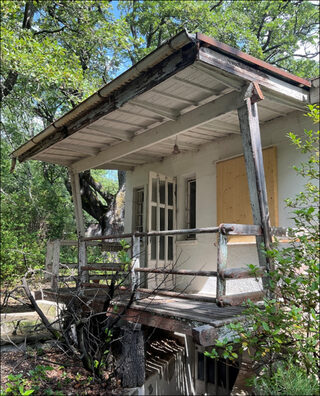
[{"x": 111, "y": 242}]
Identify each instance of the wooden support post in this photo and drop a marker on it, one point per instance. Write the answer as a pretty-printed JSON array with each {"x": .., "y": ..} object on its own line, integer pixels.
[
  {"x": 82, "y": 253},
  {"x": 49, "y": 257},
  {"x": 135, "y": 276},
  {"x": 130, "y": 356},
  {"x": 55, "y": 265},
  {"x": 221, "y": 264},
  {"x": 251, "y": 141}
]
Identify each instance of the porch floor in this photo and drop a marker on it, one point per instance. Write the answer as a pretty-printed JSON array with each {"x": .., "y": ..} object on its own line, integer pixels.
[{"x": 171, "y": 314}]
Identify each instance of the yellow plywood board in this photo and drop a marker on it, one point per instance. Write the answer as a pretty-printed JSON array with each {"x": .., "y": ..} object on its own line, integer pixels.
[{"x": 233, "y": 200}]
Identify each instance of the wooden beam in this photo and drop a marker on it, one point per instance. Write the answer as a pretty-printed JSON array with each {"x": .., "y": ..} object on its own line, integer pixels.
[
  {"x": 111, "y": 132},
  {"x": 239, "y": 299},
  {"x": 251, "y": 142},
  {"x": 147, "y": 117},
  {"x": 150, "y": 78},
  {"x": 116, "y": 167},
  {"x": 125, "y": 123},
  {"x": 222, "y": 254},
  {"x": 196, "y": 117},
  {"x": 175, "y": 97},
  {"x": 152, "y": 320},
  {"x": 225, "y": 80},
  {"x": 78, "y": 148},
  {"x": 195, "y": 85},
  {"x": 76, "y": 195},
  {"x": 156, "y": 109},
  {"x": 222, "y": 64},
  {"x": 176, "y": 272}
]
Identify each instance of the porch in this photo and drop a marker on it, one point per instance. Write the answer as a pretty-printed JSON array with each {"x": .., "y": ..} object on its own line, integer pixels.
[{"x": 117, "y": 267}]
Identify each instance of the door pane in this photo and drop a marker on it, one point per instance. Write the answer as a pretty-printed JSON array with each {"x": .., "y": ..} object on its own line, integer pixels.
[
  {"x": 153, "y": 242},
  {"x": 154, "y": 218},
  {"x": 170, "y": 193},
  {"x": 154, "y": 190},
  {"x": 161, "y": 252},
  {"x": 162, "y": 219},
  {"x": 170, "y": 248},
  {"x": 162, "y": 191},
  {"x": 170, "y": 219}
]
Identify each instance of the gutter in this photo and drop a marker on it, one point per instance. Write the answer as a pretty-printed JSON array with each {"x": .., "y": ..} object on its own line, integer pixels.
[{"x": 169, "y": 47}]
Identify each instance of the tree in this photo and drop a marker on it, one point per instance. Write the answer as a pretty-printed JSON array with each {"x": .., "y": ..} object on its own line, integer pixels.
[
  {"x": 57, "y": 53},
  {"x": 281, "y": 335},
  {"x": 54, "y": 54},
  {"x": 282, "y": 33}
]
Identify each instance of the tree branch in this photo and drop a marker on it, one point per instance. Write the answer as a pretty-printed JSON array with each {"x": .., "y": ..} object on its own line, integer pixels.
[{"x": 50, "y": 31}]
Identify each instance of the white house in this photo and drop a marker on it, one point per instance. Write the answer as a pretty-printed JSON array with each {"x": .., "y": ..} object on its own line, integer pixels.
[{"x": 181, "y": 122}]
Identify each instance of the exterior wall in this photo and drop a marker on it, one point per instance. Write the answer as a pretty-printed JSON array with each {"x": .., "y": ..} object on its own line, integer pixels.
[{"x": 201, "y": 253}]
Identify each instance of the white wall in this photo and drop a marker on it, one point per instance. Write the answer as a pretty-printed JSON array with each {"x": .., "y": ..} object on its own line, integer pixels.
[{"x": 202, "y": 252}]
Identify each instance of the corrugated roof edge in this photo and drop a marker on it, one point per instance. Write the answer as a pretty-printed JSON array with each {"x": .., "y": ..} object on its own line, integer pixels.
[
  {"x": 258, "y": 63},
  {"x": 167, "y": 48}
]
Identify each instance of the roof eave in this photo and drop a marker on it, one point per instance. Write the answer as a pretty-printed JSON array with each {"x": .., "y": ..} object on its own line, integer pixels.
[{"x": 174, "y": 44}]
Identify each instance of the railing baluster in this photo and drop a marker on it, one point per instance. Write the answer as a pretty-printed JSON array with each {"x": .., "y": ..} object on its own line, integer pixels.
[
  {"x": 55, "y": 265},
  {"x": 49, "y": 258},
  {"x": 221, "y": 264},
  {"x": 135, "y": 276},
  {"x": 82, "y": 262}
]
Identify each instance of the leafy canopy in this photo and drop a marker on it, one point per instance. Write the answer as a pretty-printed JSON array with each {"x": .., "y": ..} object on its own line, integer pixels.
[{"x": 55, "y": 53}]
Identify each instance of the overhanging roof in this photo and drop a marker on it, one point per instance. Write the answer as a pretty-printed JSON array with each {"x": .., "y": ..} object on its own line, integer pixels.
[{"x": 189, "y": 87}]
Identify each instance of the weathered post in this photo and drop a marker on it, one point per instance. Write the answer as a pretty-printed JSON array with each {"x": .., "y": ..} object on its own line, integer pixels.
[
  {"x": 49, "y": 258},
  {"x": 82, "y": 253},
  {"x": 222, "y": 253},
  {"x": 130, "y": 356},
  {"x": 251, "y": 142},
  {"x": 55, "y": 265},
  {"x": 135, "y": 276}
]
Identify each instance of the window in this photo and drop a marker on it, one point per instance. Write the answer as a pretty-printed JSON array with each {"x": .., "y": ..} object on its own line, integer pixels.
[
  {"x": 191, "y": 206},
  {"x": 138, "y": 202},
  {"x": 233, "y": 200},
  {"x": 214, "y": 376}
]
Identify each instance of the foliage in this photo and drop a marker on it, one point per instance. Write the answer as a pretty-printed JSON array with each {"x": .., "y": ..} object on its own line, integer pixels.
[
  {"x": 56, "y": 53},
  {"x": 18, "y": 385},
  {"x": 285, "y": 327},
  {"x": 288, "y": 379},
  {"x": 256, "y": 27}
]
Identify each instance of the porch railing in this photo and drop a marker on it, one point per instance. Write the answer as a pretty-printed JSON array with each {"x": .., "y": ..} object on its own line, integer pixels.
[{"x": 222, "y": 273}]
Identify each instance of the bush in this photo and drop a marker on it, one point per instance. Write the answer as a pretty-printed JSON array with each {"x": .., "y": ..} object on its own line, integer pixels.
[{"x": 285, "y": 327}]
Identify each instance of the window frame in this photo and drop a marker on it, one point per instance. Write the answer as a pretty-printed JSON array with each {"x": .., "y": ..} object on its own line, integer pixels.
[
  {"x": 138, "y": 226},
  {"x": 188, "y": 181}
]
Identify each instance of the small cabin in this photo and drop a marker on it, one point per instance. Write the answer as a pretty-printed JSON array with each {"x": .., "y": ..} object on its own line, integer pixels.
[{"x": 201, "y": 130}]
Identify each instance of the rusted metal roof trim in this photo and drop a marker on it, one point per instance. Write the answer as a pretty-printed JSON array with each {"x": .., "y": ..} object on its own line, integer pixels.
[{"x": 258, "y": 63}]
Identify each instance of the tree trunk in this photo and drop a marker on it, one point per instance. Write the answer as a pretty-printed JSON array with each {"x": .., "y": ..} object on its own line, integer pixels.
[{"x": 106, "y": 208}]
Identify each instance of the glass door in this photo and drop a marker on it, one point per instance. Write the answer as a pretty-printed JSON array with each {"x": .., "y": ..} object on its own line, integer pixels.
[{"x": 161, "y": 217}]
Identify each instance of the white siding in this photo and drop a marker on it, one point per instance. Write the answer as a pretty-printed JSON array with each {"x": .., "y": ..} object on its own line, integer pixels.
[{"x": 202, "y": 253}]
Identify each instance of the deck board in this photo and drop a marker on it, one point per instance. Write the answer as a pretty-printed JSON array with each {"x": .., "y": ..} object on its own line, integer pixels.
[
  {"x": 203, "y": 312},
  {"x": 179, "y": 309}
]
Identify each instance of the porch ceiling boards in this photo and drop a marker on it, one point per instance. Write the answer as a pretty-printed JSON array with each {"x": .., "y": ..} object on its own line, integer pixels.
[
  {"x": 188, "y": 89},
  {"x": 186, "y": 92}
]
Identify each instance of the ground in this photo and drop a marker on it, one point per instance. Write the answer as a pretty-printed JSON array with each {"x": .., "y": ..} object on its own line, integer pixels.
[
  {"x": 66, "y": 376},
  {"x": 67, "y": 379}
]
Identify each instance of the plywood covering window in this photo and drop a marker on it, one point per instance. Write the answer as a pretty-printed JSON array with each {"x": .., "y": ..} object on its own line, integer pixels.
[{"x": 233, "y": 200}]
